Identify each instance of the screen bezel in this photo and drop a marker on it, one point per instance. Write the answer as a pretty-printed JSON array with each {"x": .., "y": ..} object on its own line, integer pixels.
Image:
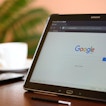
[{"x": 59, "y": 90}]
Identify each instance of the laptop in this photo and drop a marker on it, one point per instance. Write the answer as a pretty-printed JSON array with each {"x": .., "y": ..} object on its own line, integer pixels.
[{"x": 70, "y": 59}]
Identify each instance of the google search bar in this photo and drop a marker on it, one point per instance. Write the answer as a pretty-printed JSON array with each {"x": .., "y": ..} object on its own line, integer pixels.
[{"x": 85, "y": 28}]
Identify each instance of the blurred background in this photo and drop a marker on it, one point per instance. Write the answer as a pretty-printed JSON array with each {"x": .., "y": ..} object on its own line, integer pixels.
[{"x": 24, "y": 20}]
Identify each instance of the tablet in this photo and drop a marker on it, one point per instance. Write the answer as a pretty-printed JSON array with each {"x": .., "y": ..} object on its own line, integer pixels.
[{"x": 70, "y": 59}]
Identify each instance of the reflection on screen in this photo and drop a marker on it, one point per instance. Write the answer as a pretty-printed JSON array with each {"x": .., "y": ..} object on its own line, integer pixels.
[{"x": 73, "y": 59}]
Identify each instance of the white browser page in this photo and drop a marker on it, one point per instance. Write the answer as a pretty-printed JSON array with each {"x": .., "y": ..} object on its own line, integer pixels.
[{"x": 72, "y": 59}]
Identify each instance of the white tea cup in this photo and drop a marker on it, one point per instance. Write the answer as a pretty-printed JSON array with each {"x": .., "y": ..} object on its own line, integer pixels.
[{"x": 13, "y": 55}]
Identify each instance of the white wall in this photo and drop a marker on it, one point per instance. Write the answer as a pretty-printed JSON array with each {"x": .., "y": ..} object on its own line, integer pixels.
[{"x": 71, "y": 6}]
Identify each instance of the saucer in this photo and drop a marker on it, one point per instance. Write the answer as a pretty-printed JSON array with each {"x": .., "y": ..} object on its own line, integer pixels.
[{"x": 24, "y": 68}]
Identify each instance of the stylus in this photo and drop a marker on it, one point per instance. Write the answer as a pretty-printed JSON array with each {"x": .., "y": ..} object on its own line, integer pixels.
[{"x": 51, "y": 100}]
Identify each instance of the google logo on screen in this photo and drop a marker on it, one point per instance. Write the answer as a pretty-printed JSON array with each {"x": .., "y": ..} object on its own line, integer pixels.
[{"x": 88, "y": 50}]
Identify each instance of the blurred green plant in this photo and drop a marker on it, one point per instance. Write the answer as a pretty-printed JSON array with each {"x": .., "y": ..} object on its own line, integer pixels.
[{"x": 18, "y": 23}]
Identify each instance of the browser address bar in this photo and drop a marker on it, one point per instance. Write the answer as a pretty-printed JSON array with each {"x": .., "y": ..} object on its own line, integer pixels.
[{"x": 88, "y": 28}]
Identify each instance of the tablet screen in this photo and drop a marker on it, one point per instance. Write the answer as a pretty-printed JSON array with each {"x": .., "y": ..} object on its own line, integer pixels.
[
  {"x": 73, "y": 55},
  {"x": 72, "y": 59}
]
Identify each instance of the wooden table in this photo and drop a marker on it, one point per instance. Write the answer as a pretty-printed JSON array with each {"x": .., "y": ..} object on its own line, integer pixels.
[{"x": 13, "y": 94}]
